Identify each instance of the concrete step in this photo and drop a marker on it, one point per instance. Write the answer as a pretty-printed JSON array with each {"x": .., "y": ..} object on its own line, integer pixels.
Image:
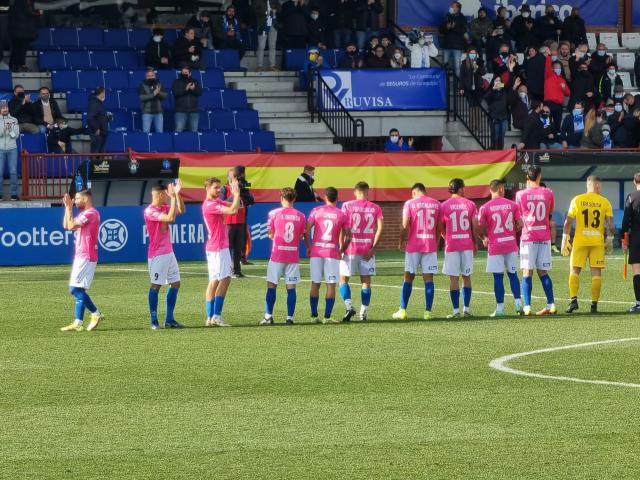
[
  {"x": 266, "y": 107},
  {"x": 32, "y": 81},
  {"x": 277, "y": 97},
  {"x": 259, "y": 86},
  {"x": 299, "y": 127},
  {"x": 310, "y": 147},
  {"x": 284, "y": 116},
  {"x": 265, "y": 76},
  {"x": 297, "y": 139}
]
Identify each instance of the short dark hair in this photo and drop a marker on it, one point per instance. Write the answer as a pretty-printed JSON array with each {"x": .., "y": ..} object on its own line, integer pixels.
[
  {"x": 362, "y": 186},
  {"x": 61, "y": 119},
  {"x": 44, "y": 88},
  {"x": 535, "y": 104},
  {"x": 557, "y": 63},
  {"x": 331, "y": 194},
  {"x": 17, "y": 86},
  {"x": 495, "y": 185},
  {"x": 394, "y": 130},
  {"x": 419, "y": 186},
  {"x": 455, "y": 185},
  {"x": 157, "y": 31},
  {"x": 99, "y": 90},
  {"x": 159, "y": 188},
  {"x": 210, "y": 181},
  {"x": 533, "y": 172},
  {"x": 288, "y": 193},
  {"x": 636, "y": 178}
]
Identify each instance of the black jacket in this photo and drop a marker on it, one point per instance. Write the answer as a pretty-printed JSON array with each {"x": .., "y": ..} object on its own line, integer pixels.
[
  {"x": 180, "y": 51},
  {"x": 38, "y": 111},
  {"x": 154, "y": 51},
  {"x": 497, "y": 103},
  {"x": 574, "y": 30},
  {"x": 317, "y": 32},
  {"x": 57, "y": 134},
  {"x": 519, "y": 110},
  {"x": 599, "y": 65},
  {"x": 534, "y": 68},
  {"x": 22, "y": 112},
  {"x": 186, "y": 100},
  {"x": 548, "y": 27},
  {"x": 350, "y": 63},
  {"x": 533, "y": 132},
  {"x": 636, "y": 69},
  {"x": 568, "y": 133},
  {"x": 604, "y": 87},
  {"x": 368, "y": 16},
  {"x": 582, "y": 83},
  {"x": 23, "y": 20},
  {"x": 294, "y": 19},
  {"x": 623, "y": 132},
  {"x": 304, "y": 190},
  {"x": 150, "y": 103},
  {"x": 97, "y": 116},
  {"x": 471, "y": 80},
  {"x": 373, "y": 61},
  {"x": 341, "y": 13},
  {"x": 453, "y": 38}
]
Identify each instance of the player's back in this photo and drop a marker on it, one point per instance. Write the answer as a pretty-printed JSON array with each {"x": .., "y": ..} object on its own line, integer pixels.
[
  {"x": 499, "y": 216},
  {"x": 87, "y": 237},
  {"x": 363, "y": 216},
  {"x": 328, "y": 222},
  {"x": 157, "y": 231},
  {"x": 287, "y": 225},
  {"x": 457, "y": 214},
  {"x": 212, "y": 212},
  {"x": 423, "y": 214},
  {"x": 590, "y": 211},
  {"x": 536, "y": 204}
]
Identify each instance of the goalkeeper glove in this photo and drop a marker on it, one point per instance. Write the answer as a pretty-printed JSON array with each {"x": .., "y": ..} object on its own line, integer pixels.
[
  {"x": 566, "y": 245},
  {"x": 608, "y": 245}
]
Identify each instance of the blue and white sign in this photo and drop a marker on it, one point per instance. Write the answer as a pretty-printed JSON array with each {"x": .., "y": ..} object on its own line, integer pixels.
[
  {"x": 430, "y": 13},
  {"x": 392, "y": 89},
  {"x": 34, "y": 236}
]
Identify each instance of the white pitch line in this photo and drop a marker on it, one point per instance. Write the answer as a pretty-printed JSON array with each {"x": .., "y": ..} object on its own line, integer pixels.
[{"x": 500, "y": 364}]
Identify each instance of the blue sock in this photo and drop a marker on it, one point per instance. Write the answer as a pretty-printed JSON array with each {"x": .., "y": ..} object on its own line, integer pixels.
[
  {"x": 455, "y": 298},
  {"x": 88, "y": 303},
  {"x": 466, "y": 296},
  {"x": 79, "y": 309},
  {"x": 209, "y": 308},
  {"x": 498, "y": 287},
  {"x": 527, "y": 288},
  {"x": 429, "y": 293},
  {"x": 345, "y": 291},
  {"x": 365, "y": 296},
  {"x": 291, "y": 302},
  {"x": 406, "y": 294},
  {"x": 328, "y": 306},
  {"x": 270, "y": 301},
  {"x": 153, "y": 304},
  {"x": 313, "y": 301},
  {"x": 515, "y": 284},
  {"x": 547, "y": 285},
  {"x": 218, "y": 303},
  {"x": 172, "y": 298}
]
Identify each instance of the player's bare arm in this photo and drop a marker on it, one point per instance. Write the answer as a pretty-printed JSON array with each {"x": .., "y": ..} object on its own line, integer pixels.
[
  {"x": 609, "y": 234},
  {"x": 565, "y": 248},
  {"x": 404, "y": 233},
  {"x": 345, "y": 240},
  {"x": 235, "y": 205},
  {"x": 67, "y": 221},
  {"x": 376, "y": 239}
]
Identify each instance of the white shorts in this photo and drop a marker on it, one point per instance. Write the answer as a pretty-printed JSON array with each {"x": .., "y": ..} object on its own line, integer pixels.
[
  {"x": 219, "y": 264},
  {"x": 327, "y": 269},
  {"x": 278, "y": 270},
  {"x": 458, "y": 263},
  {"x": 535, "y": 255},
  {"x": 498, "y": 263},
  {"x": 163, "y": 269},
  {"x": 427, "y": 262},
  {"x": 82, "y": 273},
  {"x": 351, "y": 265}
]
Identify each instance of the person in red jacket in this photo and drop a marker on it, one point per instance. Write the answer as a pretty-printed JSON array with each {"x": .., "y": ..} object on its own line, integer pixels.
[{"x": 556, "y": 90}]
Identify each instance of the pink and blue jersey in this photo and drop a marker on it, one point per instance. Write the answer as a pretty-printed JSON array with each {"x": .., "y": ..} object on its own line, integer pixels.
[
  {"x": 363, "y": 217},
  {"x": 499, "y": 217},
  {"x": 457, "y": 214},
  {"x": 287, "y": 225},
  {"x": 328, "y": 221},
  {"x": 212, "y": 212},
  {"x": 87, "y": 235},
  {"x": 157, "y": 231},
  {"x": 423, "y": 214},
  {"x": 536, "y": 205}
]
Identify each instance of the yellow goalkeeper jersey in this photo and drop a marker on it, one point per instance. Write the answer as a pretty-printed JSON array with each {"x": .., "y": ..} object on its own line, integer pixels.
[{"x": 590, "y": 211}]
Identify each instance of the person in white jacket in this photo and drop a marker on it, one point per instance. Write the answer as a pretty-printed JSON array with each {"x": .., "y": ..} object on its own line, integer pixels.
[
  {"x": 9, "y": 132},
  {"x": 421, "y": 47}
]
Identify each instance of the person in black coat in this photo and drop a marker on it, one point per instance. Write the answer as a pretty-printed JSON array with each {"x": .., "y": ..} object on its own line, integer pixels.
[
  {"x": 624, "y": 128},
  {"x": 600, "y": 61},
  {"x": 97, "y": 121},
  {"x": 523, "y": 30},
  {"x": 498, "y": 111},
  {"x": 574, "y": 28},
  {"x": 519, "y": 103},
  {"x": 533, "y": 132},
  {"x": 204, "y": 28},
  {"x": 316, "y": 28},
  {"x": 157, "y": 53},
  {"x": 472, "y": 84},
  {"x": 572, "y": 127},
  {"x": 549, "y": 26},
  {"x": 59, "y": 136},
  {"x": 367, "y": 20},
  {"x": 187, "y": 50},
  {"x": 583, "y": 88},
  {"x": 341, "y": 17},
  {"x": 351, "y": 60},
  {"x": 378, "y": 59},
  {"x": 294, "y": 19},
  {"x": 606, "y": 86},
  {"x": 453, "y": 30},
  {"x": 21, "y": 108},
  {"x": 534, "y": 69},
  {"x": 45, "y": 110},
  {"x": 304, "y": 185},
  {"x": 23, "y": 29}
]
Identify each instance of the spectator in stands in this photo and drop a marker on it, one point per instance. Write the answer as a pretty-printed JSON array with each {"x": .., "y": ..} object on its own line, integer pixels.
[
  {"x": 556, "y": 91},
  {"x": 453, "y": 30},
  {"x": 294, "y": 19},
  {"x": 549, "y": 25},
  {"x": 187, "y": 50},
  {"x": 574, "y": 29},
  {"x": 502, "y": 22},
  {"x": 534, "y": 67},
  {"x": 472, "y": 84},
  {"x": 152, "y": 94},
  {"x": 607, "y": 84},
  {"x": 21, "y": 108},
  {"x": 316, "y": 28},
  {"x": 398, "y": 60},
  {"x": 572, "y": 127},
  {"x": 227, "y": 32},
  {"x": 564, "y": 55},
  {"x": 594, "y": 126},
  {"x": 341, "y": 16},
  {"x": 480, "y": 29},
  {"x": 580, "y": 56},
  {"x": 496, "y": 42},
  {"x": 395, "y": 143},
  {"x": 351, "y": 60},
  {"x": 533, "y": 131},
  {"x": 304, "y": 185},
  {"x": 97, "y": 120},
  {"x": 583, "y": 88},
  {"x": 23, "y": 29},
  {"x": 266, "y": 12},
  {"x": 498, "y": 111},
  {"x": 367, "y": 20},
  {"x": 519, "y": 103},
  {"x": 421, "y": 48},
  {"x": 157, "y": 53},
  {"x": 389, "y": 47},
  {"x": 624, "y": 127},
  {"x": 522, "y": 28},
  {"x": 629, "y": 103},
  {"x": 186, "y": 91},
  {"x": 9, "y": 132},
  {"x": 203, "y": 27},
  {"x": 243, "y": 12},
  {"x": 59, "y": 136},
  {"x": 378, "y": 59},
  {"x": 45, "y": 110},
  {"x": 314, "y": 61},
  {"x": 600, "y": 63},
  {"x": 505, "y": 65},
  {"x": 550, "y": 130},
  {"x": 374, "y": 41}
]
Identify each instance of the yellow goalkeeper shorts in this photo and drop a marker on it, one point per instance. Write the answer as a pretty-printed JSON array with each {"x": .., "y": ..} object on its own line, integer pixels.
[{"x": 595, "y": 253}]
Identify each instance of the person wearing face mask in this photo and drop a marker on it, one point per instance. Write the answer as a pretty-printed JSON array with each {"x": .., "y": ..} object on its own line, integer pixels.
[
  {"x": 45, "y": 110},
  {"x": 549, "y": 25},
  {"x": 421, "y": 48},
  {"x": 350, "y": 60},
  {"x": 157, "y": 53},
  {"x": 594, "y": 128},
  {"x": 623, "y": 128},
  {"x": 533, "y": 131},
  {"x": 453, "y": 30},
  {"x": 186, "y": 91},
  {"x": 564, "y": 55},
  {"x": 505, "y": 65},
  {"x": 203, "y": 26},
  {"x": 398, "y": 60},
  {"x": 606, "y": 86},
  {"x": 395, "y": 143},
  {"x": 21, "y": 108},
  {"x": 574, "y": 29},
  {"x": 523, "y": 30},
  {"x": 502, "y": 21},
  {"x": 582, "y": 88},
  {"x": 600, "y": 62},
  {"x": 9, "y": 132},
  {"x": 316, "y": 28},
  {"x": 550, "y": 130},
  {"x": 519, "y": 103},
  {"x": 579, "y": 56},
  {"x": 59, "y": 136},
  {"x": 304, "y": 185},
  {"x": 480, "y": 28},
  {"x": 556, "y": 90},
  {"x": 367, "y": 20},
  {"x": 498, "y": 111},
  {"x": 187, "y": 50},
  {"x": 472, "y": 84},
  {"x": 266, "y": 13},
  {"x": 572, "y": 127},
  {"x": 152, "y": 94}
]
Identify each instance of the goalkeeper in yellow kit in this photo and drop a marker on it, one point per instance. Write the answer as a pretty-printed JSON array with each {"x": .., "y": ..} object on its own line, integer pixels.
[{"x": 594, "y": 217}]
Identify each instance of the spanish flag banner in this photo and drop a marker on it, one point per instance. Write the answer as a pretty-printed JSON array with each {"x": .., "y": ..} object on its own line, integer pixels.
[{"x": 388, "y": 174}]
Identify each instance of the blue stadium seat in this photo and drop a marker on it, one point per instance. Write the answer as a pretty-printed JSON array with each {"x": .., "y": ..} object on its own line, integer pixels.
[
  {"x": 44, "y": 40},
  {"x": 116, "y": 79},
  {"x": 115, "y": 142},
  {"x": 90, "y": 79},
  {"x": 186, "y": 142},
  {"x": 265, "y": 140},
  {"x": 78, "y": 60},
  {"x": 90, "y": 38},
  {"x": 210, "y": 100},
  {"x": 213, "y": 78},
  {"x": 222, "y": 120},
  {"x": 168, "y": 120},
  {"x": 211, "y": 141},
  {"x": 103, "y": 60},
  {"x": 295, "y": 58},
  {"x": 115, "y": 38},
  {"x": 6, "y": 82},
  {"x": 139, "y": 37},
  {"x": 209, "y": 58},
  {"x": 204, "y": 121},
  {"x": 52, "y": 60},
  {"x": 234, "y": 99},
  {"x": 166, "y": 77},
  {"x": 247, "y": 119},
  {"x": 236, "y": 141},
  {"x": 127, "y": 60},
  {"x": 77, "y": 100},
  {"x": 195, "y": 74},
  {"x": 137, "y": 76},
  {"x": 137, "y": 141},
  {"x": 169, "y": 103},
  {"x": 227, "y": 59},
  {"x": 112, "y": 100},
  {"x": 129, "y": 99},
  {"x": 171, "y": 34},
  {"x": 122, "y": 121},
  {"x": 66, "y": 38},
  {"x": 64, "y": 80},
  {"x": 161, "y": 142},
  {"x": 34, "y": 142}
]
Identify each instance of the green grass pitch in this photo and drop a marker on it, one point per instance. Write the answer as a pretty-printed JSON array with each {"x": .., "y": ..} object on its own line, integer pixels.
[{"x": 384, "y": 399}]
